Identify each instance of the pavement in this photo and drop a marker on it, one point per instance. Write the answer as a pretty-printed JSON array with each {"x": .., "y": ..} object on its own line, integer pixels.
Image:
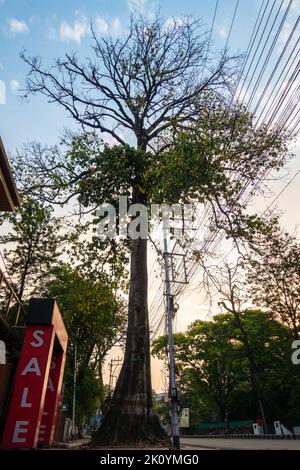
[
  {"x": 239, "y": 444},
  {"x": 76, "y": 444},
  {"x": 188, "y": 443},
  {"x": 82, "y": 443}
]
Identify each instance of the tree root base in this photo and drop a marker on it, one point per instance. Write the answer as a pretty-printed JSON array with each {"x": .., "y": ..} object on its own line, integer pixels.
[{"x": 131, "y": 431}]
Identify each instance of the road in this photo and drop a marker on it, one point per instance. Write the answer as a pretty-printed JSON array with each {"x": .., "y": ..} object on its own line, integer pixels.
[{"x": 240, "y": 444}]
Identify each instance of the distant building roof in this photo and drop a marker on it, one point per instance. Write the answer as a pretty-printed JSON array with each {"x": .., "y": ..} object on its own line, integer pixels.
[{"x": 9, "y": 197}]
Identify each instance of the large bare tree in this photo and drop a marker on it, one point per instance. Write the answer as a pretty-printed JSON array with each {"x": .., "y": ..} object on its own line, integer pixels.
[
  {"x": 139, "y": 84},
  {"x": 146, "y": 86}
]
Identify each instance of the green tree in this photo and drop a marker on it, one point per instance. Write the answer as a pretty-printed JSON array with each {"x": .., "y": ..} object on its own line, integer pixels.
[
  {"x": 154, "y": 86},
  {"x": 213, "y": 360},
  {"x": 229, "y": 283},
  {"x": 95, "y": 321},
  {"x": 94, "y": 318},
  {"x": 274, "y": 277},
  {"x": 89, "y": 391},
  {"x": 35, "y": 240},
  {"x": 214, "y": 370},
  {"x": 89, "y": 396}
]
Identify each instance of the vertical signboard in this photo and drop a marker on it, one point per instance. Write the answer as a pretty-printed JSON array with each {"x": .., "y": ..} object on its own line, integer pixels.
[
  {"x": 36, "y": 393},
  {"x": 49, "y": 416},
  {"x": 26, "y": 407}
]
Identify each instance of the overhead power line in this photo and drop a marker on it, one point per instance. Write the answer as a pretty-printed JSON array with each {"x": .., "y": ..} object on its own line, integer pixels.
[
  {"x": 278, "y": 106},
  {"x": 232, "y": 22}
]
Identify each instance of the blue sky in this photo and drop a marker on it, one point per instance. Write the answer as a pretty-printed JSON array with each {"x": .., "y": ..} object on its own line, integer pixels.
[{"x": 48, "y": 29}]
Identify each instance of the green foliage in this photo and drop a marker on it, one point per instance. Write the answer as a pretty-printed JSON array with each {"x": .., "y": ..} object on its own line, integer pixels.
[
  {"x": 214, "y": 371},
  {"x": 211, "y": 160},
  {"x": 212, "y": 157},
  {"x": 99, "y": 259},
  {"x": 33, "y": 244},
  {"x": 95, "y": 321},
  {"x": 274, "y": 276},
  {"x": 89, "y": 392},
  {"x": 207, "y": 161},
  {"x": 93, "y": 317},
  {"x": 111, "y": 169},
  {"x": 161, "y": 406}
]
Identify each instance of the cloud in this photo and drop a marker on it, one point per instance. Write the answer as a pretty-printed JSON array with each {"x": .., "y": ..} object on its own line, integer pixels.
[
  {"x": 18, "y": 26},
  {"x": 222, "y": 32},
  {"x": 14, "y": 86},
  {"x": 176, "y": 22},
  {"x": 80, "y": 28},
  {"x": 2, "y": 92},
  {"x": 285, "y": 32},
  {"x": 101, "y": 25},
  {"x": 76, "y": 32},
  {"x": 52, "y": 34},
  {"x": 143, "y": 7},
  {"x": 137, "y": 5},
  {"x": 294, "y": 6},
  {"x": 116, "y": 25},
  {"x": 283, "y": 37}
]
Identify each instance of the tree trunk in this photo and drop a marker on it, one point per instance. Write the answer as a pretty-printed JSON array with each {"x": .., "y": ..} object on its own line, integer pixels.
[
  {"x": 23, "y": 280},
  {"x": 130, "y": 417},
  {"x": 255, "y": 382},
  {"x": 295, "y": 327}
]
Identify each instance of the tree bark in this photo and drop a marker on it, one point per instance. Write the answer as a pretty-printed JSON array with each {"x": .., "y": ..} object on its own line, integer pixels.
[
  {"x": 130, "y": 417},
  {"x": 23, "y": 279}
]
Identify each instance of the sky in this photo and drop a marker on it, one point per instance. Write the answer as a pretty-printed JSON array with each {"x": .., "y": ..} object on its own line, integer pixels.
[{"x": 50, "y": 28}]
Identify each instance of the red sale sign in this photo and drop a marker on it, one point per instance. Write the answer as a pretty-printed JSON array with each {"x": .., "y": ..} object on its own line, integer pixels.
[
  {"x": 33, "y": 407},
  {"x": 47, "y": 426}
]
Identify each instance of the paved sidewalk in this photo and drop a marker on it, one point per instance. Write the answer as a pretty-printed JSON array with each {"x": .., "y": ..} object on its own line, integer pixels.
[
  {"x": 82, "y": 443},
  {"x": 240, "y": 444},
  {"x": 188, "y": 444},
  {"x": 71, "y": 444}
]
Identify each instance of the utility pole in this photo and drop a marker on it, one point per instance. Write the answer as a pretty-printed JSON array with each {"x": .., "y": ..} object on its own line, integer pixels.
[
  {"x": 74, "y": 390},
  {"x": 114, "y": 362},
  {"x": 173, "y": 393}
]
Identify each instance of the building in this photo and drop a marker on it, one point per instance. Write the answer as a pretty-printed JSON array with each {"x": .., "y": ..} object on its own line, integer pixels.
[
  {"x": 10, "y": 305},
  {"x": 9, "y": 197},
  {"x": 37, "y": 336}
]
